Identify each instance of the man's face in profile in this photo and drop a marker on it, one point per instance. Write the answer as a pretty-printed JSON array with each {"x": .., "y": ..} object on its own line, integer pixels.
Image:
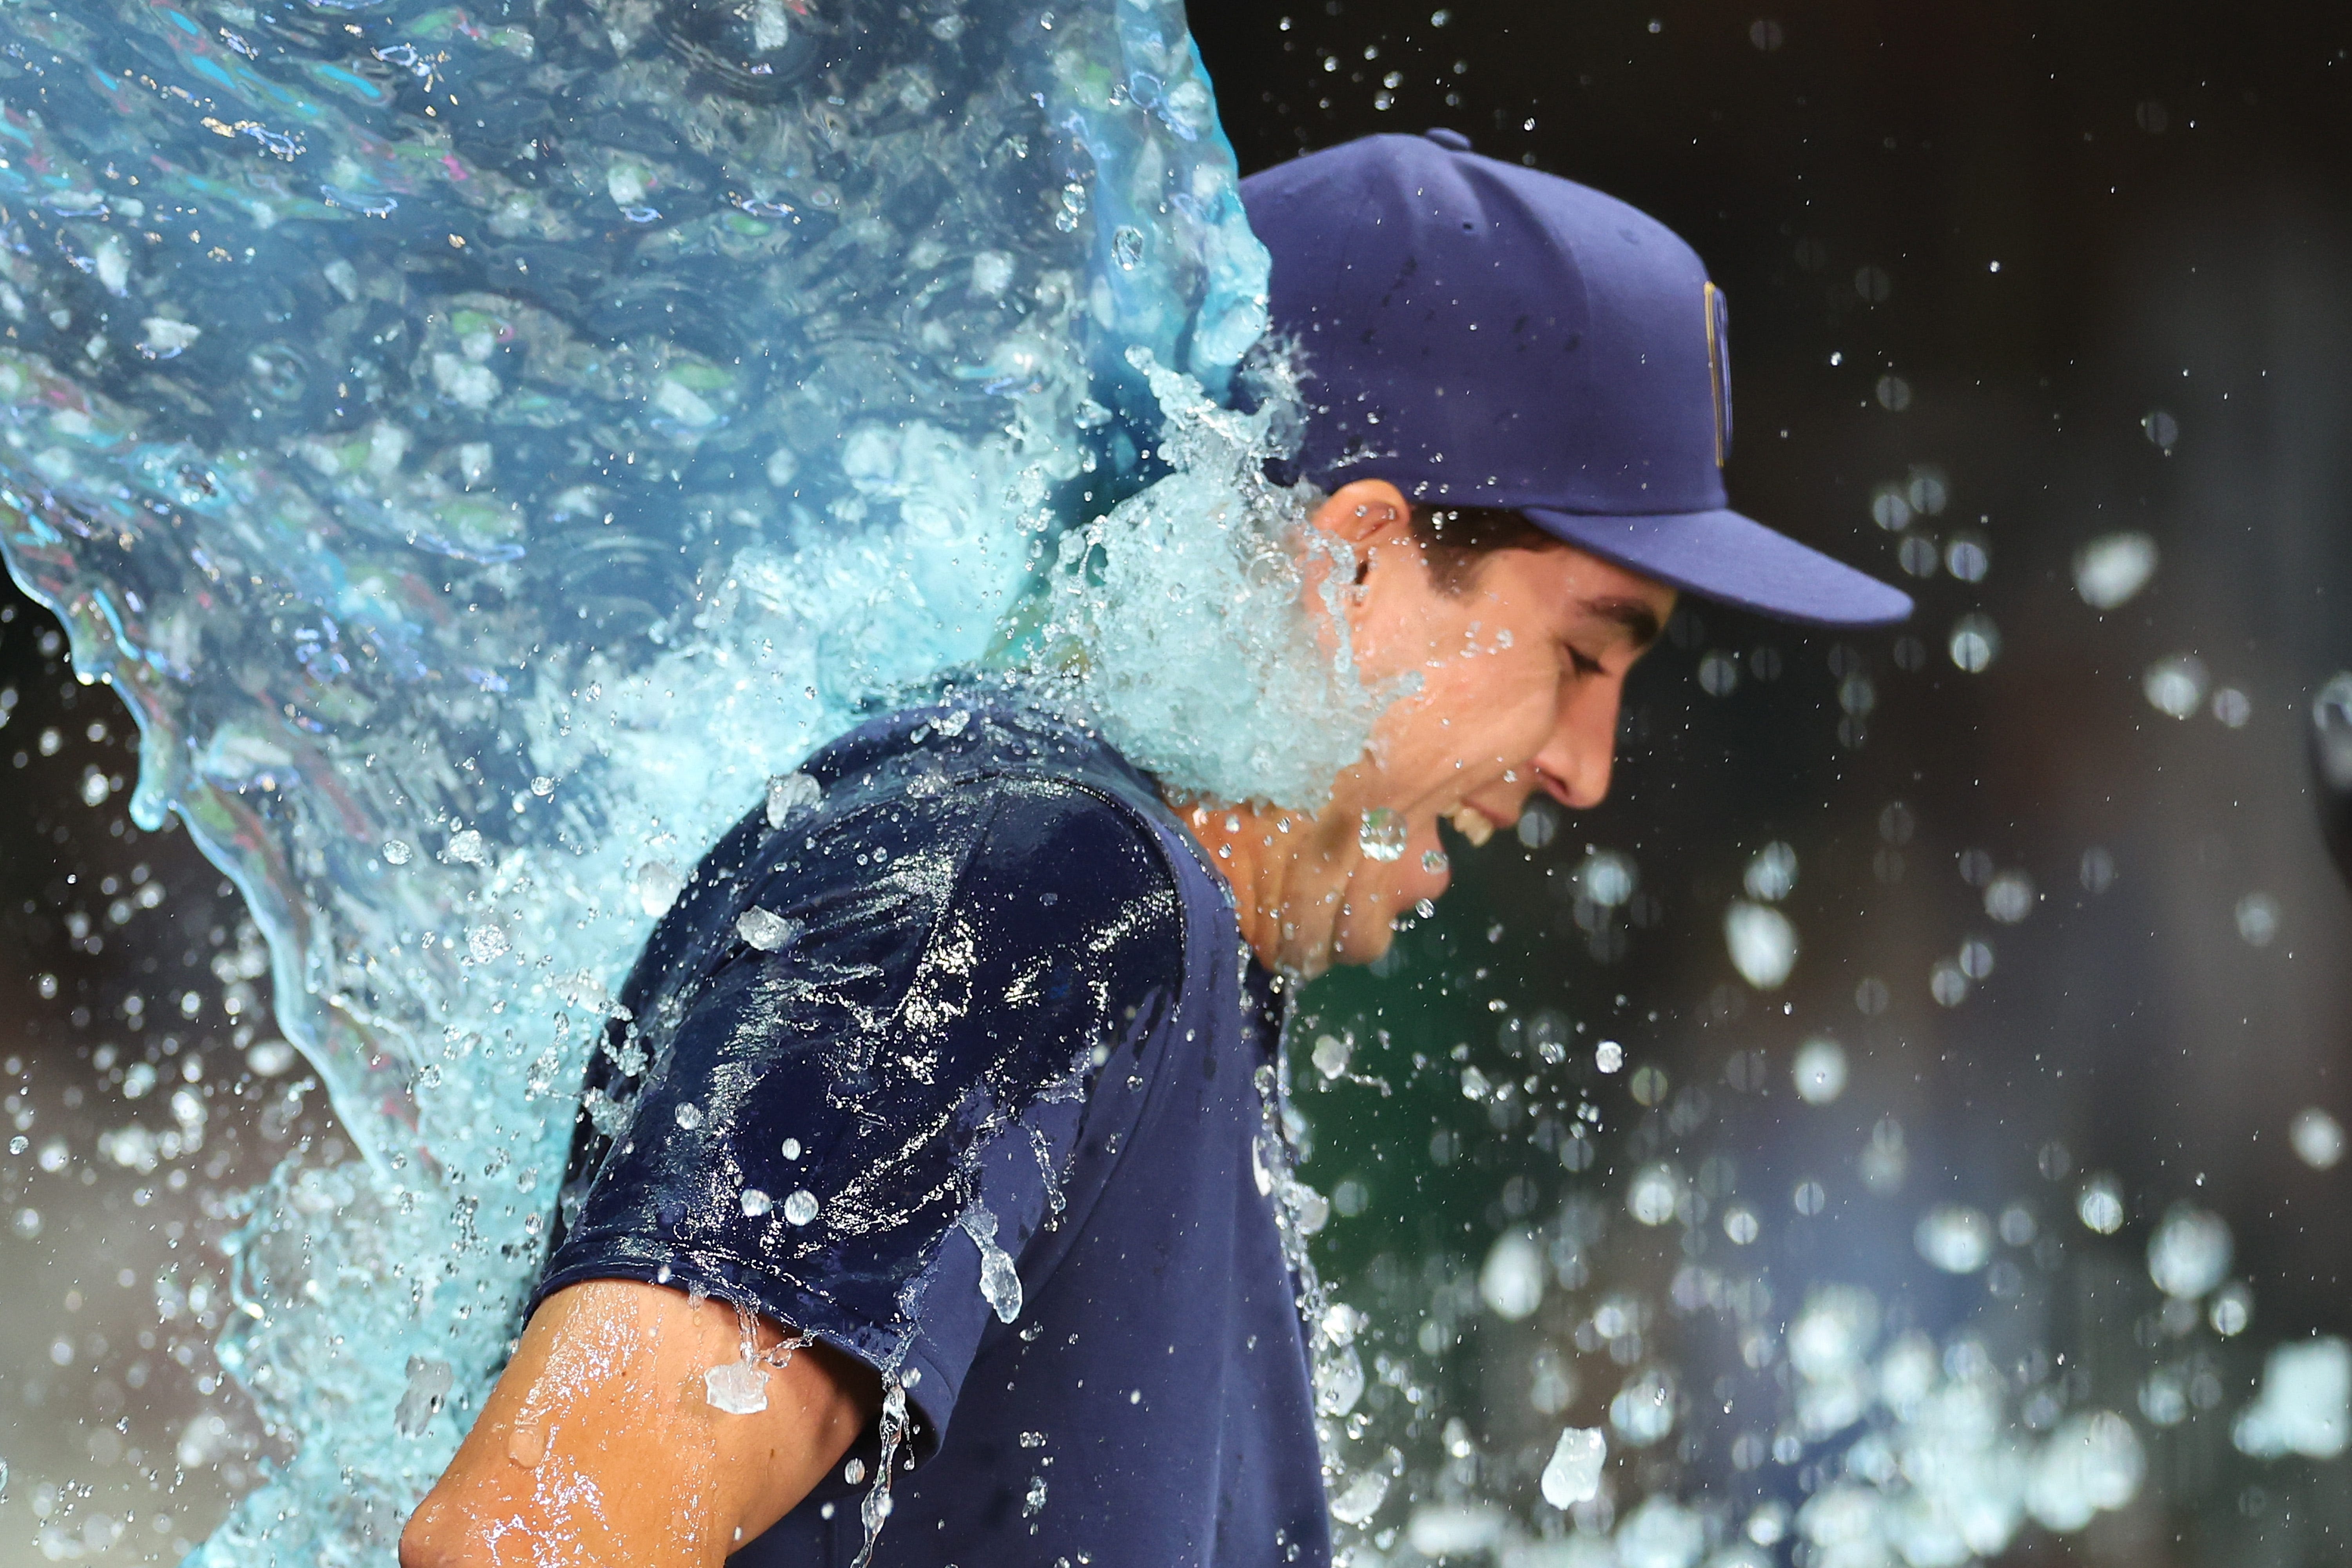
[{"x": 1519, "y": 666}]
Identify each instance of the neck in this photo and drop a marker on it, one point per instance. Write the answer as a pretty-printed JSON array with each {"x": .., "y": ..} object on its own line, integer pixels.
[{"x": 1255, "y": 849}]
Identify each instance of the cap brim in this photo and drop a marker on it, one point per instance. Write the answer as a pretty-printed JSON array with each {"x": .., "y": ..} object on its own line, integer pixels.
[{"x": 1734, "y": 560}]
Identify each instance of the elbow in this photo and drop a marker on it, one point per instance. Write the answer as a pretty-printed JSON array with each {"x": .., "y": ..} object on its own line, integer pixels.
[{"x": 436, "y": 1537}]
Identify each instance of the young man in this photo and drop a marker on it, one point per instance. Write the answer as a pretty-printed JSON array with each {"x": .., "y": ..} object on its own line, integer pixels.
[{"x": 941, "y": 1148}]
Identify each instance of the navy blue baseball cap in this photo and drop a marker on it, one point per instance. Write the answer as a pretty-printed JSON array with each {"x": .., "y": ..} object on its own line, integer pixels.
[{"x": 1481, "y": 335}]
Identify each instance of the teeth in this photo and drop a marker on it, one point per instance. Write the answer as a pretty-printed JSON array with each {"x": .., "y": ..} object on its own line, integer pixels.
[{"x": 1471, "y": 824}]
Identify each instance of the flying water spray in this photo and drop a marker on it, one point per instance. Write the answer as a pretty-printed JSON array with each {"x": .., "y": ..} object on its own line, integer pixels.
[{"x": 484, "y": 445}]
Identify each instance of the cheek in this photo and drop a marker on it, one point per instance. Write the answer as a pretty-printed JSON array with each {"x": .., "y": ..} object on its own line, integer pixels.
[{"x": 1501, "y": 705}]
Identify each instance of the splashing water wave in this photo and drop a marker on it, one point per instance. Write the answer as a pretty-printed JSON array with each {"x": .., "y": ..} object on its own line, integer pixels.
[{"x": 482, "y": 448}]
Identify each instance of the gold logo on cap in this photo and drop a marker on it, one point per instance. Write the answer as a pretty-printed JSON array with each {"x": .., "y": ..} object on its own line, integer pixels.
[{"x": 1719, "y": 369}]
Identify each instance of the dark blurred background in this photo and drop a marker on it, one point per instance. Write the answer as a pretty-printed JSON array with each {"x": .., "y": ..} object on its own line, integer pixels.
[
  {"x": 2004, "y": 280},
  {"x": 2042, "y": 276}
]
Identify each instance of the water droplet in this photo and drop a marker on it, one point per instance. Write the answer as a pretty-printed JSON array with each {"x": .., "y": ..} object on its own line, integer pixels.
[
  {"x": 2100, "y": 1205},
  {"x": 1955, "y": 1237},
  {"x": 2109, "y": 570},
  {"x": 1656, "y": 1193},
  {"x": 756, "y": 1203},
  {"x": 526, "y": 1445},
  {"x": 2258, "y": 919},
  {"x": 1819, "y": 1070},
  {"x": 1127, "y": 247},
  {"x": 2317, "y": 1137},
  {"x": 854, "y": 1472},
  {"x": 1512, "y": 1280},
  {"x": 800, "y": 1207},
  {"x": 1434, "y": 861},
  {"x": 395, "y": 853},
  {"x": 687, "y": 1115},
  {"x": 791, "y": 1148},
  {"x": 1383, "y": 835},
  {"x": 2176, "y": 684},
  {"x": 1771, "y": 876},
  {"x": 486, "y": 942},
  {"x": 1762, "y": 942},
  {"x": 466, "y": 850},
  {"x": 1330, "y": 1056},
  {"x": 1608, "y": 1056},
  {"x": 2189, "y": 1253},
  {"x": 1975, "y": 643},
  {"x": 1000, "y": 1283},
  {"x": 2009, "y": 899}
]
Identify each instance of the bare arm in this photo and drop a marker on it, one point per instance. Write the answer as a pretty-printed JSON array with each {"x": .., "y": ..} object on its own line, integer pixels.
[{"x": 600, "y": 1447}]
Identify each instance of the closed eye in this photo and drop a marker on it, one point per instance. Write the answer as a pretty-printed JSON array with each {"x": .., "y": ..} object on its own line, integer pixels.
[{"x": 1581, "y": 662}]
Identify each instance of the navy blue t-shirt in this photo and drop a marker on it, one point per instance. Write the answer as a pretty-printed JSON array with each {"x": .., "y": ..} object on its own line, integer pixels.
[{"x": 983, "y": 995}]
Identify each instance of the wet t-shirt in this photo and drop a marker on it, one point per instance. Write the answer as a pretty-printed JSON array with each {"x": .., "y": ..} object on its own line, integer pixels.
[{"x": 951, "y": 1055}]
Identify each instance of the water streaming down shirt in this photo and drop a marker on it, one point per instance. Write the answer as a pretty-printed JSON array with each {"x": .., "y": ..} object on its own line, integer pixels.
[{"x": 1015, "y": 990}]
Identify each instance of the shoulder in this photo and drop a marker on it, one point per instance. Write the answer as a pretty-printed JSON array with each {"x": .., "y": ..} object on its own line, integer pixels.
[{"x": 1010, "y": 835}]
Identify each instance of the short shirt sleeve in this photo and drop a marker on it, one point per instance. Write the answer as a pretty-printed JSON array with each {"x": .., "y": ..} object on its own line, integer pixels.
[{"x": 872, "y": 1064}]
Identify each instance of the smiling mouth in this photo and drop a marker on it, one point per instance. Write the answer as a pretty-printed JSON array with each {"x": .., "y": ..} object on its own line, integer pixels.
[{"x": 1473, "y": 824}]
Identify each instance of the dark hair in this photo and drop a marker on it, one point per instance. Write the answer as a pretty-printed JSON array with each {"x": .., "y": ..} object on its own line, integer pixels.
[{"x": 1453, "y": 540}]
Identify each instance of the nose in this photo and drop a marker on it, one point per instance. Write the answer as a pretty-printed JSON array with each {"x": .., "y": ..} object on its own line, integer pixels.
[{"x": 1578, "y": 758}]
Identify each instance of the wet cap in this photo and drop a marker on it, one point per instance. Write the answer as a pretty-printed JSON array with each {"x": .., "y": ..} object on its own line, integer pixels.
[{"x": 1483, "y": 335}]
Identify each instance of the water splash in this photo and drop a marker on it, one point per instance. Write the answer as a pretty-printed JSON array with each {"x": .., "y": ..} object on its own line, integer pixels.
[{"x": 530, "y": 437}]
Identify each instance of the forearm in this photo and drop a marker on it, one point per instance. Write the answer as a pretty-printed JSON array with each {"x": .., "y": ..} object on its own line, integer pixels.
[{"x": 600, "y": 1445}]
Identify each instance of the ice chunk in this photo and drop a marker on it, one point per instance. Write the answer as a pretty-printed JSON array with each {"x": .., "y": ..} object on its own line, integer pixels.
[
  {"x": 2092, "y": 1463},
  {"x": 800, "y": 1207},
  {"x": 1383, "y": 835},
  {"x": 1608, "y": 1056},
  {"x": 1330, "y": 1056},
  {"x": 790, "y": 793},
  {"x": 1356, "y": 1502},
  {"x": 658, "y": 884},
  {"x": 1763, "y": 943},
  {"x": 2306, "y": 1403},
  {"x": 1512, "y": 1282},
  {"x": 1573, "y": 1474},
  {"x": 2109, "y": 570},
  {"x": 1454, "y": 1530},
  {"x": 2189, "y": 1253},
  {"x": 429, "y": 1382},
  {"x": 1955, "y": 1237},
  {"x": 766, "y": 932},
  {"x": 756, "y": 1203},
  {"x": 1661, "y": 1533},
  {"x": 1000, "y": 1282},
  {"x": 465, "y": 849},
  {"x": 737, "y": 1387}
]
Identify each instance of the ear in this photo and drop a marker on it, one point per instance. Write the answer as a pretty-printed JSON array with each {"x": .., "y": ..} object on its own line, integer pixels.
[{"x": 1365, "y": 511}]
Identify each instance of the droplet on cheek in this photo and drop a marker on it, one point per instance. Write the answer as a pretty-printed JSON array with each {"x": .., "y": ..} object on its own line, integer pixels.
[{"x": 526, "y": 1445}]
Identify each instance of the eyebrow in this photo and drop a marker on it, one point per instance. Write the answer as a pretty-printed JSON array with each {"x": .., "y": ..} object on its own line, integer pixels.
[{"x": 1640, "y": 621}]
